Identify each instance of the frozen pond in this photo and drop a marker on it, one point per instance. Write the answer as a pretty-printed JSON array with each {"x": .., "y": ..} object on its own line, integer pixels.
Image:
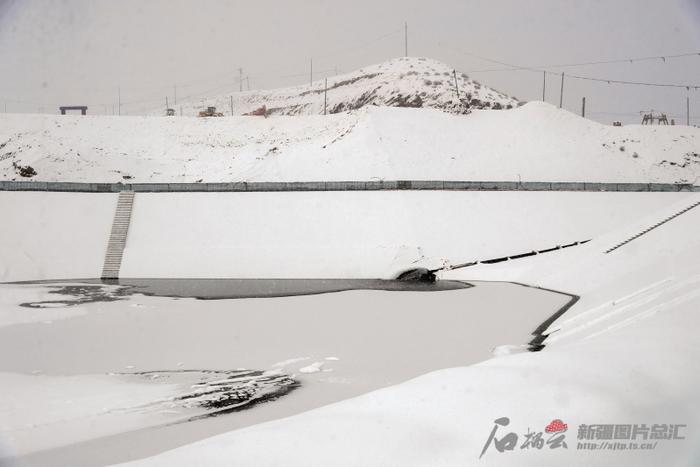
[
  {"x": 145, "y": 338},
  {"x": 216, "y": 289}
]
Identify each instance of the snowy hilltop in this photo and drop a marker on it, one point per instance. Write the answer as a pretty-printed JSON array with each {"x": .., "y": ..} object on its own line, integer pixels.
[
  {"x": 402, "y": 82},
  {"x": 534, "y": 142}
]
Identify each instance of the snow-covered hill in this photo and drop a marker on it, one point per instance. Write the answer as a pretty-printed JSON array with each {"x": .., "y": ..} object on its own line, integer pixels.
[
  {"x": 402, "y": 82},
  {"x": 534, "y": 142}
]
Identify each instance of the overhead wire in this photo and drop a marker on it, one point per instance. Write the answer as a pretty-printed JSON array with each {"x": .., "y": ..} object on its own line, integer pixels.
[{"x": 541, "y": 69}]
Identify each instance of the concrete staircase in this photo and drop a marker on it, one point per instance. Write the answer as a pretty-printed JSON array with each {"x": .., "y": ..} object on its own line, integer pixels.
[
  {"x": 658, "y": 224},
  {"x": 117, "y": 238}
]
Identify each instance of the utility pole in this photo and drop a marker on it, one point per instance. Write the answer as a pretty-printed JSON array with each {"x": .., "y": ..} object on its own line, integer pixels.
[
  {"x": 687, "y": 110},
  {"x": 544, "y": 85},
  {"x": 119, "y": 100},
  {"x": 561, "y": 93},
  {"x": 232, "y": 106},
  {"x": 175, "y": 94},
  {"x": 583, "y": 108},
  {"x": 325, "y": 97},
  {"x": 166, "y": 104},
  {"x": 247, "y": 82},
  {"x": 454, "y": 72},
  {"x": 181, "y": 111},
  {"x": 240, "y": 80},
  {"x": 311, "y": 75},
  {"x": 405, "y": 39}
]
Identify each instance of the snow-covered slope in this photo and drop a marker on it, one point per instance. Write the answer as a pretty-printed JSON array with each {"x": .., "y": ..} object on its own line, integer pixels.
[
  {"x": 299, "y": 235},
  {"x": 626, "y": 354},
  {"x": 402, "y": 82},
  {"x": 535, "y": 142}
]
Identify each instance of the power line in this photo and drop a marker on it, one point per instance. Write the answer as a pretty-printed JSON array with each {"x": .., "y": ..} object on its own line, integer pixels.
[
  {"x": 298, "y": 75},
  {"x": 632, "y": 114},
  {"x": 512, "y": 67},
  {"x": 363, "y": 44},
  {"x": 623, "y": 60},
  {"x": 571, "y": 65},
  {"x": 635, "y": 83},
  {"x": 593, "y": 78},
  {"x": 688, "y": 87}
]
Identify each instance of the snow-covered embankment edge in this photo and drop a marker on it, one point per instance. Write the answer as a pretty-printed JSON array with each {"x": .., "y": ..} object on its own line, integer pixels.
[{"x": 628, "y": 354}]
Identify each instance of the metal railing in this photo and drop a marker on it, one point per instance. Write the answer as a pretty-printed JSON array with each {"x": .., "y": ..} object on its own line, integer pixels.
[{"x": 373, "y": 185}]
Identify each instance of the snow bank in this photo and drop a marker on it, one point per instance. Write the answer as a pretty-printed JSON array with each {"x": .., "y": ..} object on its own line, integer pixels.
[
  {"x": 54, "y": 235},
  {"x": 47, "y": 305},
  {"x": 536, "y": 142},
  {"x": 351, "y": 235},
  {"x": 84, "y": 406},
  {"x": 299, "y": 235},
  {"x": 632, "y": 360},
  {"x": 444, "y": 418},
  {"x": 664, "y": 254}
]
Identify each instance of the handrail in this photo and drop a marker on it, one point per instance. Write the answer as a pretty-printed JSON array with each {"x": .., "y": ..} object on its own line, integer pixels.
[{"x": 372, "y": 185}]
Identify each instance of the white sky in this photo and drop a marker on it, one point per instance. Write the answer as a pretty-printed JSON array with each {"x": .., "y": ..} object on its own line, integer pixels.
[{"x": 61, "y": 52}]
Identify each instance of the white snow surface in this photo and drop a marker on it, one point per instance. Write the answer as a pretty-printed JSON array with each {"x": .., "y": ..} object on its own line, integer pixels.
[
  {"x": 315, "y": 367},
  {"x": 53, "y": 235},
  {"x": 627, "y": 352},
  {"x": 247, "y": 333},
  {"x": 50, "y": 307},
  {"x": 535, "y": 142},
  {"x": 297, "y": 235},
  {"x": 350, "y": 235},
  {"x": 83, "y": 406}
]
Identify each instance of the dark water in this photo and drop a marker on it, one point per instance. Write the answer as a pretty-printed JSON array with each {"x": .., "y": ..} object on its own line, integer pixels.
[{"x": 77, "y": 292}]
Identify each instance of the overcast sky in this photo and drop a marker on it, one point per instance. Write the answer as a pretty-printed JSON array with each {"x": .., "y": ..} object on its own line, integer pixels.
[{"x": 80, "y": 52}]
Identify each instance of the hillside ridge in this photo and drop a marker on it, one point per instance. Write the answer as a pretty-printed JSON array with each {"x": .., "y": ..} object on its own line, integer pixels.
[{"x": 402, "y": 82}]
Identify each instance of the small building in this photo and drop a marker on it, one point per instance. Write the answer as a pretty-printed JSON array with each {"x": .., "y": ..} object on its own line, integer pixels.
[{"x": 82, "y": 108}]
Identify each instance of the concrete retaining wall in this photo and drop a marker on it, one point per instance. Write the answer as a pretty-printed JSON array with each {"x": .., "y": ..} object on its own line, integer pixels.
[{"x": 342, "y": 186}]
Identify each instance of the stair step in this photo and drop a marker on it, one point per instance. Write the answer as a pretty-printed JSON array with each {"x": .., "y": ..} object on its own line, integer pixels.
[{"x": 118, "y": 234}]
